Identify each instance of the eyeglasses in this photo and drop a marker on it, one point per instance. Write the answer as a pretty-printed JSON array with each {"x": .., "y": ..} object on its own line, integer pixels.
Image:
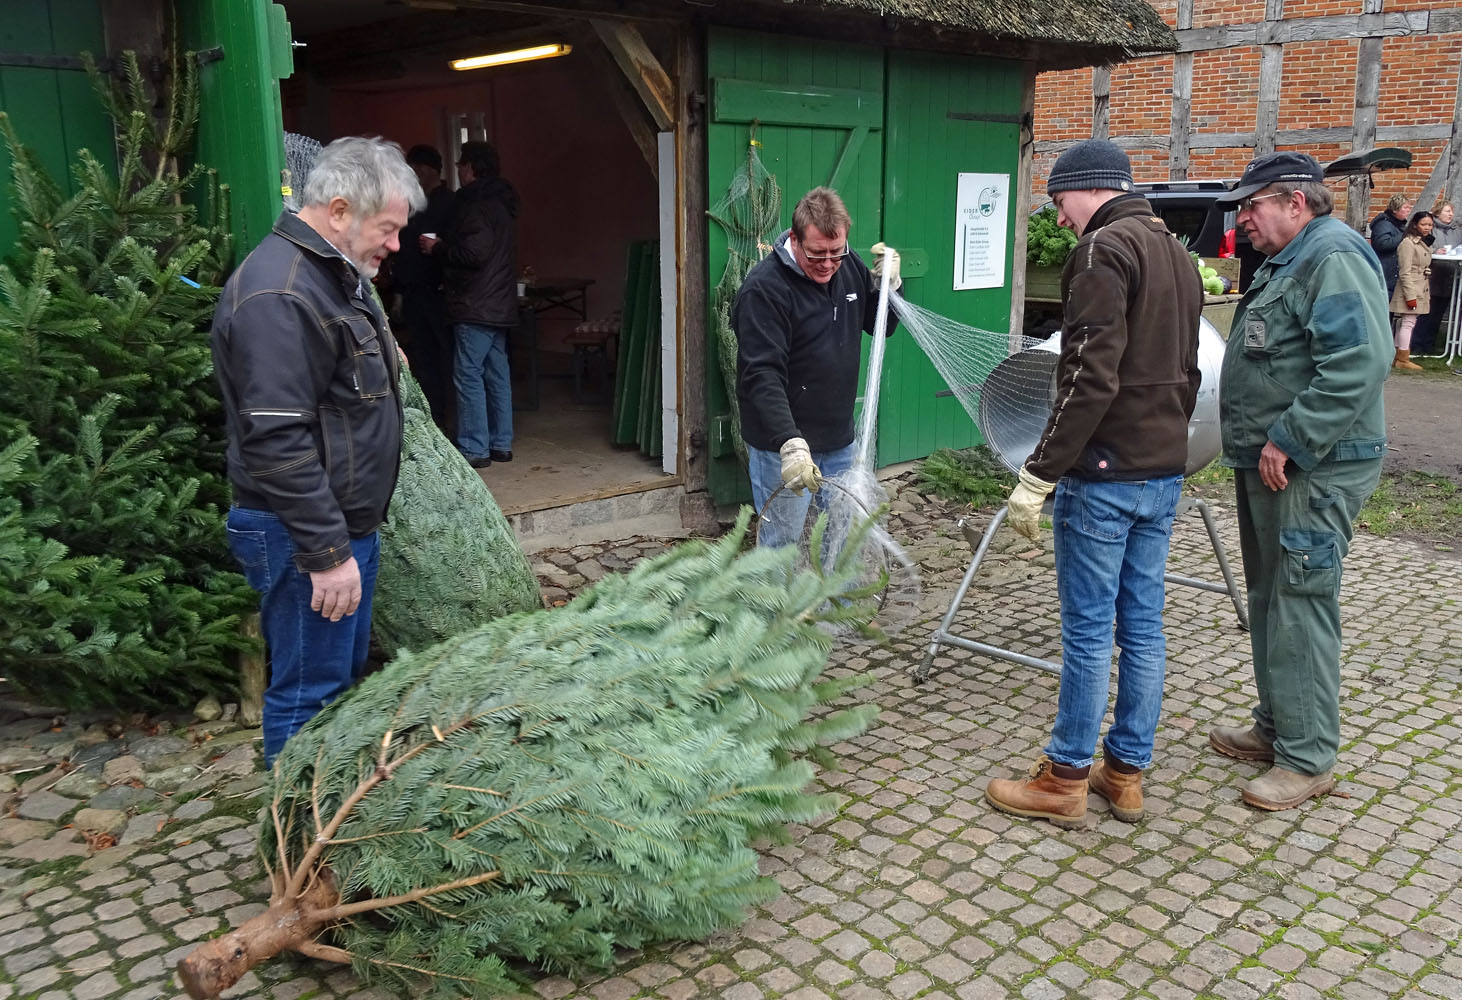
[
  {"x": 825, "y": 257},
  {"x": 1247, "y": 204}
]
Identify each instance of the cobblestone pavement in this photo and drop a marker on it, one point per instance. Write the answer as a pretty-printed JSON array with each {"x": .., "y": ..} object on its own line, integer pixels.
[{"x": 916, "y": 888}]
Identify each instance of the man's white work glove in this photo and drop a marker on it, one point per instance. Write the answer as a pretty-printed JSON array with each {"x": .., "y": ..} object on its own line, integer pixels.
[
  {"x": 799, "y": 472},
  {"x": 894, "y": 281},
  {"x": 1025, "y": 504}
]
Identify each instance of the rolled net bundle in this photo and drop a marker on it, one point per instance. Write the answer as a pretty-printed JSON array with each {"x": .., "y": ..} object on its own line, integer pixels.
[{"x": 300, "y": 153}]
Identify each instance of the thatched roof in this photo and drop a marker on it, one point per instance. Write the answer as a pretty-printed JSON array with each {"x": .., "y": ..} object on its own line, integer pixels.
[{"x": 1053, "y": 33}]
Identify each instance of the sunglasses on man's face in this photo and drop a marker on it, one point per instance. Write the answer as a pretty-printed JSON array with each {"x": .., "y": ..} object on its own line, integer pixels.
[{"x": 827, "y": 257}]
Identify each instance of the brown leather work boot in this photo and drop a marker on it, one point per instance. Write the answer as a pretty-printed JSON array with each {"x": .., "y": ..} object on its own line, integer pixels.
[
  {"x": 1241, "y": 744},
  {"x": 1279, "y": 788},
  {"x": 1053, "y": 791},
  {"x": 1123, "y": 791}
]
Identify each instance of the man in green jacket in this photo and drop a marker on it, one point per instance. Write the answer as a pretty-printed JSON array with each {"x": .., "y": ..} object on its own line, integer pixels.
[{"x": 1303, "y": 429}]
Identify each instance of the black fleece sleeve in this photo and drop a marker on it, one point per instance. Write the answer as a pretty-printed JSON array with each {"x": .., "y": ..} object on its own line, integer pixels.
[{"x": 762, "y": 318}]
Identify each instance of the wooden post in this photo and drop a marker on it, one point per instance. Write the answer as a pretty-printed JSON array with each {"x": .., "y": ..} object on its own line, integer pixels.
[
  {"x": 1367, "y": 89},
  {"x": 1271, "y": 73},
  {"x": 1182, "y": 101},
  {"x": 1024, "y": 172},
  {"x": 690, "y": 151},
  {"x": 1101, "y": 102},
  {"x": 253, "y": 674}
]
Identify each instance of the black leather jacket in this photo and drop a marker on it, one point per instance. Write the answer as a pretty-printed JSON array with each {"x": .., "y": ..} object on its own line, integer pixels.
[
  {"x": 309, "y": 370},
  {"x": 480, "y": 255}
]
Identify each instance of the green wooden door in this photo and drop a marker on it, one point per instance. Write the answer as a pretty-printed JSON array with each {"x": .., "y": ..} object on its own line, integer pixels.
[
  {"x": 54, "y": 111},
  {"x": 246, "y": 46},
  {"x": 819, "y": 113},
  {"x": 945, "y": 115}
]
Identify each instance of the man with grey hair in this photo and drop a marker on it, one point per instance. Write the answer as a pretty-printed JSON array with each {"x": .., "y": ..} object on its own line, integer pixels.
[
  {"x": 308, "y": 371},
  {"x": 1304, "y": 431}
]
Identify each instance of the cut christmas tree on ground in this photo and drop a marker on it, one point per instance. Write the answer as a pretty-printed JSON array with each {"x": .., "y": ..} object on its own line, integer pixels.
[{"x": 555, "y": 785}]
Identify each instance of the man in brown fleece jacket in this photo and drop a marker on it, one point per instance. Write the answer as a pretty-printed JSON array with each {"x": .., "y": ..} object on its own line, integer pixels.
[{"x": 1113, "y": 450}]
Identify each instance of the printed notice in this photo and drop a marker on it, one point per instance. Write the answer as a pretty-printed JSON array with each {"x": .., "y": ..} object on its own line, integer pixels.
[{"x": 981, "y": 209}]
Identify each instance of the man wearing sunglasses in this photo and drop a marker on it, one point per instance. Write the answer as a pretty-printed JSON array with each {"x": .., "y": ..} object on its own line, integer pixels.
[
  {"x": 799, "y": 319},
  {"x": 1304, "y": 431}
]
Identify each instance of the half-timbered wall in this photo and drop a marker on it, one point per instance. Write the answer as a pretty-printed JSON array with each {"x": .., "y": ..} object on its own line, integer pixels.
[{"x": 1323, "y": 76}]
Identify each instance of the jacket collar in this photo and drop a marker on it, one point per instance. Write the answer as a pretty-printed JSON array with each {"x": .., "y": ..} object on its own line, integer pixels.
[
  {"x": 300, "y": 233},
  {"x": 784, "y": 253},
  {"x": 1120, "y": 207},
  {"x": 1293, "y": 247}
]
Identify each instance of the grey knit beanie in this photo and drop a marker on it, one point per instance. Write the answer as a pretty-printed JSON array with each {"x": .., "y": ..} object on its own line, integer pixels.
[{"x": 1088, "y": 165}]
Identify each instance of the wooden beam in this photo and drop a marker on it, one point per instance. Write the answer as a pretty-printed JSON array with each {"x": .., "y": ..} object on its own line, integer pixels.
[
  {"x": 1101, "y": 102},
  {"x": 631, "y": 111},
  {"x": 1024, "y": 172},
  {"x": 1182, "y": 119},
  {"x": 1271, "y": 74},
  {"x": 1315, "y": 29},
  {"x": 641, "y": 68},
  {"x": 694, "y": 309},
  {"x": 1385, "y": 135},
  {"x": 1367, "y": 91},
  {"x": 1445, "y": 179}
]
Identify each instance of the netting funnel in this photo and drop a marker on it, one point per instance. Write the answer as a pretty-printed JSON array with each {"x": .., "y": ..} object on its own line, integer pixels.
[{"x": 1016, "y": 400}]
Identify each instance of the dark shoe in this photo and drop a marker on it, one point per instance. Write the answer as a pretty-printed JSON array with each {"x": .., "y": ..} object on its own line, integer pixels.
[
  {"x": 1241, "y": 744},
  {"x": 479, "y": 463},
  {"x": 1123, "y": 791},
  {"x": 1279, "y": 788},
  {"x": 500, "y": 456},
  {"x": 1045, "y": 794}
]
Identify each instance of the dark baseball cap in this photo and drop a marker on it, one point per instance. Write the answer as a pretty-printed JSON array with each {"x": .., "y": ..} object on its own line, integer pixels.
[{"x": 1275, "y": 168}]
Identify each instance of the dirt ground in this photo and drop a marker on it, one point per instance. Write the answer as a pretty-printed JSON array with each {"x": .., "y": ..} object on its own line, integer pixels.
[{"x": 1424, "y": 423}]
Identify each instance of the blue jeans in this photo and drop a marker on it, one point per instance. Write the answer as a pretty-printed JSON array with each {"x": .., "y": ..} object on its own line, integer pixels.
[
  {"x": 1111, "y": 553},
  {"x": 784, "y": 519},
  {"x": 484, "y": 390},
  {"x": 312, "y": 660}
]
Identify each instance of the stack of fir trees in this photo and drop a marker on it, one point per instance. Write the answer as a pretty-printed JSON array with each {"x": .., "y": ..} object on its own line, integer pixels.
[
  {"x": 556, "y": 784},
  {"x": 115, "y": 581}
]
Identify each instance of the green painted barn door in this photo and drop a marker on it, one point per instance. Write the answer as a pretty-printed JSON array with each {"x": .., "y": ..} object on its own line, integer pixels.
[
  {"x": 819, "y": 113},
  {"x": 54, "y": 111},
  {"x": 945, "y": 115},
  {"x": 246, "y": 52}
]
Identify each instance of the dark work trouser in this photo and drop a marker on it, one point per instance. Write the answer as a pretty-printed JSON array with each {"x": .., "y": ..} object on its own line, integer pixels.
[{"x": 1293, "y": 542}]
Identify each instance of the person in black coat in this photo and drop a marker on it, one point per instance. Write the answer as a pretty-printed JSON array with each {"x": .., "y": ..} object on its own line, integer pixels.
[
  {"x": 1387, "y": 229},
  {"x": 479, "y": 254},
  {"x": 799, "y": 318},
  {"x": 418, "y": 277}
]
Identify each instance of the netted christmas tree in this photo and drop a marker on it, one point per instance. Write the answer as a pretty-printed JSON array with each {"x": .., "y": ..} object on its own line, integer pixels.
[
  {"x": 556, "y": 784},
  {"x": 449, "y": 560},
  {"x": 116, "y": 585},
  {"x": 749, "y": 214}
]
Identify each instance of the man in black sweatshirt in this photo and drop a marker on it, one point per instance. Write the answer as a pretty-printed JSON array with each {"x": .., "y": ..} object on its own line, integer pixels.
[{"x": 799, "y": 319}]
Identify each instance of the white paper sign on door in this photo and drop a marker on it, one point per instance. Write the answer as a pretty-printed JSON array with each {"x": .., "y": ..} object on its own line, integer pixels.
[{"x": 981, "y": 209}]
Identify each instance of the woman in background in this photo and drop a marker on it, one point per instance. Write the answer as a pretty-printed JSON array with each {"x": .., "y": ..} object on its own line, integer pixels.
[
  {"x": 1446, "y": 234},
  {"x": 1412, "y": 297}
]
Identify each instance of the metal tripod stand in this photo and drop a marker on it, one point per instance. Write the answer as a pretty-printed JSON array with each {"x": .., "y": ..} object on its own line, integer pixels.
[{"x": 944, "y": 637}]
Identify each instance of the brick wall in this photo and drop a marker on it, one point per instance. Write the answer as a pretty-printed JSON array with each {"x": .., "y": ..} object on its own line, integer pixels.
[{"x": 1418, "y": 87}]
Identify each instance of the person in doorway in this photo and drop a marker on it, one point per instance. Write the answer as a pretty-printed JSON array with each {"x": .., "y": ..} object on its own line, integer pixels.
[
  {"x": 1304, "y": 430},
  {"x": 1446, "y": 236},
  {"x": 1113, "y": 450},
  {"x": 418, "y": 277},
  {"x": 479, "y": 255},
  {"x": 308, "y": 372},
  {"x": 799, "y": 319},
  {"x": 1387, "y": 230},
  {"x": 1412, "y": 297}
]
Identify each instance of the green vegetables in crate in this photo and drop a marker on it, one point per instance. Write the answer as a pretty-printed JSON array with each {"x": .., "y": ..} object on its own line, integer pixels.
[
  {"x": 1047, "y": 244},
  {"x": 1212, "y": 283}
]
